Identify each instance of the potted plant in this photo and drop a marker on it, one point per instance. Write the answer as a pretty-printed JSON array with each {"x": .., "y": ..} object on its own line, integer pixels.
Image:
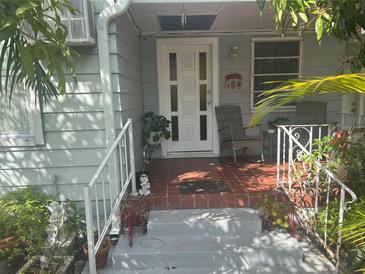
[
  {"x": 134, "y": 212},
  {"x": 55, "y": 256},
  {"x": 102, "y": 254},
  {"x": 277, "y": 121},
  {"x": 155, "y": 128}
]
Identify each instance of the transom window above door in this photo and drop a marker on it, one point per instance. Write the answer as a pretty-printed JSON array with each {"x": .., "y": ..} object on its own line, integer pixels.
[{"x": 273, "y": 60}]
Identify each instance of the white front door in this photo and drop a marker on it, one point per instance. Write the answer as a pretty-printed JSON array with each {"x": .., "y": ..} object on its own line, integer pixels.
[{"x": 187, "y": 97}]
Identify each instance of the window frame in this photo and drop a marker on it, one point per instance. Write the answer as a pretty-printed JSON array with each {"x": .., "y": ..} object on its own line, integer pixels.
[
  {"x": 273, "y": 39},
  {"x": 35, "y": 135}
]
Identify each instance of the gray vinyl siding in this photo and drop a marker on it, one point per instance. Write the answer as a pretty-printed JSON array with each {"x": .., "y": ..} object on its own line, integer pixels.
[
  {"x": 129, "y": 94},
  {"x": 74, "y": 138},
  {"x": 150, "y": 81}
]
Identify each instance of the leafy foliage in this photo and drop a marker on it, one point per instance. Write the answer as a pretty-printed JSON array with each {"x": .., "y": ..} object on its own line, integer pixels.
[
  {"x": 53, "y": 253},
  {"x": 353, "y": 231},
  {"x": 155, "y": 123},
  {"x": 341, "y": 18},
  {"x": 293, "y": 90},
  {"x": 275, "y": 211},
  {"x": 281, "y": 120},
  {"x": 354, "y": 226},
  {"x": 24, "y": 214},
  {"x": 32, "y": 43}
]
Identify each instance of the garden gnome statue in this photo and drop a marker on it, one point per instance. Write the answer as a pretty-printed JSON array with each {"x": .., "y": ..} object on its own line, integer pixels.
[{"x": 145, "y": 184}]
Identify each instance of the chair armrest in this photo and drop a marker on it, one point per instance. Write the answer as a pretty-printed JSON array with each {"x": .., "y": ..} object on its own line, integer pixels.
[
  {"x": 225, "y": 131},
  {"x": 258, "y": 126},
  {"x": 223, "y": 128}
]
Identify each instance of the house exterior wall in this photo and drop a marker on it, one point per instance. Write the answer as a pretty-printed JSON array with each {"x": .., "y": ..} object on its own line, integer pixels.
[
  {"x": 128, "y": 96},
  {"x": 317, "y": 60},
  {"x": 73, "y": 134},
  {"x": 74, "y": 130}
]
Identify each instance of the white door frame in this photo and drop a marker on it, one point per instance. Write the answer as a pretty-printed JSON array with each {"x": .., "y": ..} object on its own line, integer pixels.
[{"x": 213, "y": 42}]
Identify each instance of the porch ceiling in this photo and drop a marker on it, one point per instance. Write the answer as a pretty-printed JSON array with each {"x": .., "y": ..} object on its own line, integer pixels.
[{"x": 230, "y": 16}]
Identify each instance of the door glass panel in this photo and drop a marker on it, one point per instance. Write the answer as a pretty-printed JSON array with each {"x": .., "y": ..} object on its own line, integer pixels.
[
  {"x": 173, "y": 67},
  {"x": 173, "y": 98},
  {"x": 203, "y": 127},
  {"x": 174, "y": 128},
  {"x": 203, "y": 66},
  {"x": 203, "y": 97}
]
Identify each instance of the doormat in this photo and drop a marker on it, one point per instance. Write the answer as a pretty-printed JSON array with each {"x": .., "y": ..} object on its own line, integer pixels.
[{"x": 203, "y": 186}]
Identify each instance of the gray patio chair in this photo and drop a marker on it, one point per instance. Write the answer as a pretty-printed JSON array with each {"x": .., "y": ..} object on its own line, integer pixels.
[
  {"x": 311, "y": 112},
  {"x": 232, "y": 133}
]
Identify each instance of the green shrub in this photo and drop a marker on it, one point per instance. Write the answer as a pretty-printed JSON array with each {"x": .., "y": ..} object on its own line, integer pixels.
[
  {"x": 275, "y": 211},
  {"x": 24, "y": 214}
]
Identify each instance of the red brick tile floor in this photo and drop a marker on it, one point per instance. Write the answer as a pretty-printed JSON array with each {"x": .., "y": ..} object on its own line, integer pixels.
[{"x": 247, "y": 182}]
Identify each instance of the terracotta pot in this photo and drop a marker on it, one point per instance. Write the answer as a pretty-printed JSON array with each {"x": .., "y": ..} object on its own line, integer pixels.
[
  {"x": 7, "y": 242},
  {"x": 102, "y": 255}
]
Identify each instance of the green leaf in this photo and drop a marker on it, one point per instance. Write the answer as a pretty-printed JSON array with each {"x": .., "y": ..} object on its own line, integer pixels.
[
  {"x": 327, "y": 16},
  {"x": 294, "y": 17},
  {"x": 27, "y": 60},
  {"x": 23, "y": 9},
  {"x": 303, "y": 16},
  {"x": 319, "y": 28},
  {"x": 60, "y": 76},
  {"x": 261, "y": 5},
  {"x": 7, "y": 33}
]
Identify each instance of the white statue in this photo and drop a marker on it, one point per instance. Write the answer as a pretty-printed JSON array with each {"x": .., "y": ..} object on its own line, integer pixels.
[
  {"x": 56, "y": 222},
  {"x": 145, "y": 184}
]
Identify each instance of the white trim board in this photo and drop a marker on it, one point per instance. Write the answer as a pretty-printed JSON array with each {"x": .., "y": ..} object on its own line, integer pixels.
[
  {"x": 213, "y": 42},
  {"x": 35, "y": 135}
]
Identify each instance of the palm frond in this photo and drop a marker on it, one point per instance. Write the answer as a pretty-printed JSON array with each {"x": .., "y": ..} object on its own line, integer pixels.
[
  {"x": 293, "y": 90},
  {"x": 354, "y": 229}
]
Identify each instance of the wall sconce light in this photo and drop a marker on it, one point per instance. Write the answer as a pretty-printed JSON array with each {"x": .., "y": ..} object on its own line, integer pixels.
[{"x": 235, "y": 53}]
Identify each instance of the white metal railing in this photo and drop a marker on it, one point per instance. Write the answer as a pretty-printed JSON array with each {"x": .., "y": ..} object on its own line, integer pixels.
[
  {"x": 106, "y": 190},
  {"x": 315, "y": 187}
]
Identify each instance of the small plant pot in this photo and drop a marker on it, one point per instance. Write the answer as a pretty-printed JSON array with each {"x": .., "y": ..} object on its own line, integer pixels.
[
  {"x": 32, "y": 266},
  {"x": 151, "y": 140},
  {"x": 102, "y": 255},
  {"x": 7, "y": 242}
]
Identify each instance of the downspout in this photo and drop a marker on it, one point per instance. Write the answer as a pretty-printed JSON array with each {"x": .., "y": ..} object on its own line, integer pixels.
[{"x": 105, "y": 17}]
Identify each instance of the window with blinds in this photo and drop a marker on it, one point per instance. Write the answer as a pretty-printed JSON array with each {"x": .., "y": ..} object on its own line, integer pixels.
[{"x": 273, "y": 61}]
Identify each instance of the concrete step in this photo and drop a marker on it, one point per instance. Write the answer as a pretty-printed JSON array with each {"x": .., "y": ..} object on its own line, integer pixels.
[
  {"x": 263, "y": 269},
  {"x": 221, "y": 221},
  {"x": 187, "y": 251}
]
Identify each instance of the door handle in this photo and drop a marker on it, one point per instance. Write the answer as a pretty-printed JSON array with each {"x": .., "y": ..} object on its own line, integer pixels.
[{"x": 209, "y": 98}]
